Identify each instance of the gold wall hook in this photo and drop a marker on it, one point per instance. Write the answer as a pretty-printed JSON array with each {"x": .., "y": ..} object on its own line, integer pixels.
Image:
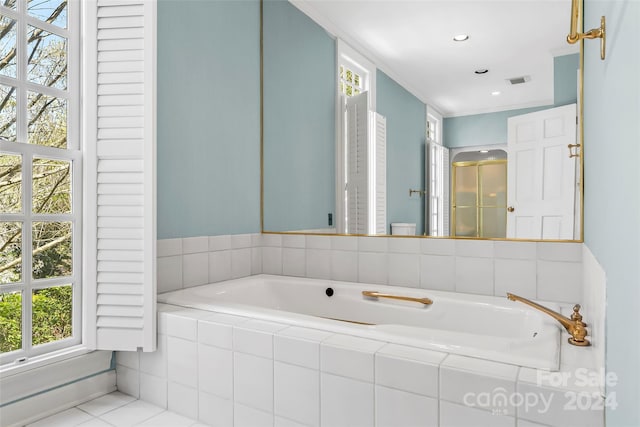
[{"x": 595, "y": 33}]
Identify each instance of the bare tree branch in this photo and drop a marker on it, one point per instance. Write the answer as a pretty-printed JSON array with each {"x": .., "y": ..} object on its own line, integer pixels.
[{"x": 36, "y": 251}]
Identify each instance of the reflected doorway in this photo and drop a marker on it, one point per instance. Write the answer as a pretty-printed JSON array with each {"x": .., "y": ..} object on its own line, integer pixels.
[{"x": 479, "y": 194}]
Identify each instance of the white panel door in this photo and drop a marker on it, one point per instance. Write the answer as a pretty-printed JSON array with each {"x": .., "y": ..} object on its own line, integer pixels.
[
  {"x": 357, "y": 164},
  {"x": 541, "y": 175}
]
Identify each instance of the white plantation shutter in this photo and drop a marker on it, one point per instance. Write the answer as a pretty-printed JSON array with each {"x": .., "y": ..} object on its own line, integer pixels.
[
  {"x": 121, "y": 153},
  {"x": 380, "y": 173},
  {"x": 366, "y": 168},
  {"x": 357, "y": 164}
]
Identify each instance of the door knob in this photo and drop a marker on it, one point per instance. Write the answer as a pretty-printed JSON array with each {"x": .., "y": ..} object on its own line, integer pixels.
[{"x": 511, "y": 209}]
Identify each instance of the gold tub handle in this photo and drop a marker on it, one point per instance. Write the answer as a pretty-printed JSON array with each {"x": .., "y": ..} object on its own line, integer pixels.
[{"x": 374, "y": 294}]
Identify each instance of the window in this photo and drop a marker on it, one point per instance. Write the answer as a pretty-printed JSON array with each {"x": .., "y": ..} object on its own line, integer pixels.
[
  {"x": 437, "y": 218},
  {"x": 355, "y": 75},
  {"x": 40, "y": 178}
]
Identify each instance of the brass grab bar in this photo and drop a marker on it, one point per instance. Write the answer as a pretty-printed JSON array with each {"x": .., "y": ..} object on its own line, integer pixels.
[{"x": 374, "y": 294}]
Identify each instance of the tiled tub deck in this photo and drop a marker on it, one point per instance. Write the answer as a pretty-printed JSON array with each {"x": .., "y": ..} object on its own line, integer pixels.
[{"x": 227, "y": 370}]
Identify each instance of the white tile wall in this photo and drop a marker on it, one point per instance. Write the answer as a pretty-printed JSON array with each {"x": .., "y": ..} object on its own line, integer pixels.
[
  {"x": 454, "y": 415},
  {"x": 410, "y": 369},
  {"x": 195, "y": 269},
  {"x": 344, "y": 265},
  {"x": 215, "y": 371},
  {"x": 214, "y": 410},
  {"x": 404, "y": 269},
  {"x": 548, "y": 271},
  {"x": 248, "y": 416},
  {"x": 229, "y": 370},
  {"x": 241, "y": 262},
  {"x": 465, "y": 379},
  {"x": 253, "y": 381},
  {"x": 318, "y": 263},
  {"x": 297, "y": 393},
  {"x": 349, "y": 356},
  {"x": 299, "y": 346},
  {"x": 245, "y": 372},
  {"x": 180, "y": 357},
  {"x": 438, "y": 272},
  {"x": 182, "y": 399},
  {"x": 373, "y": 267},
  {"x": 396, "y": 408},
  {"x": 294, "y": 262},
  {"x": 474, "y": 275},
  {"x": 219, "y": 266},
  {"x": 345, "y": 402},
  {"x": 153, "y": 390}
]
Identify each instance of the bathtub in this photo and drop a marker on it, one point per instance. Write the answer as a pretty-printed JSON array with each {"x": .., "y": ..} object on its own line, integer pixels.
[{"x": 478, "y": 326}]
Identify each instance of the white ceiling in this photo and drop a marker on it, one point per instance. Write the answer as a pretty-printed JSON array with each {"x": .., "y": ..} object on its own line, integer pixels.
[{"x": 412, "y": 42}]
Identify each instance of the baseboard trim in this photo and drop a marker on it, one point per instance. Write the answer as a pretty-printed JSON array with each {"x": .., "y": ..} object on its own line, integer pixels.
[{"x": 42, "y": 405}]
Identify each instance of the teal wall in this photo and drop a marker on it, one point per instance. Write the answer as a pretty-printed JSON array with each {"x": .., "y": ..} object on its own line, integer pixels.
[
  {"x": 612, "y": 190},
  {"x": 208, "y": 117},
  {"x": 491, "y": 128},
  {"x": 406, "y": 126},
  {"x": 479, "y": 129},
  {"x": 299, "y": 128},
  {"x": 299, "y": 120},
  {"x": 565, "y": 79}
]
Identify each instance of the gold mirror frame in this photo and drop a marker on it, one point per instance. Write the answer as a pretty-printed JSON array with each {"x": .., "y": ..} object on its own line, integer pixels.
[{"x": 575, "y": 22}]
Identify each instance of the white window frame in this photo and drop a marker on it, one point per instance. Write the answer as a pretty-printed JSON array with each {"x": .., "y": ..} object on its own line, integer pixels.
[
  {"x": 346, "y": 55},
  {"x": 436, "y": 210},
  {"x": 72, "y": 154},
  {"x": 89, "y": 132}
]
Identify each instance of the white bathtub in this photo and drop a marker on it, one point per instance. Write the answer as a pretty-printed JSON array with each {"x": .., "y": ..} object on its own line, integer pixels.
[{"x": 472, "y": 325}]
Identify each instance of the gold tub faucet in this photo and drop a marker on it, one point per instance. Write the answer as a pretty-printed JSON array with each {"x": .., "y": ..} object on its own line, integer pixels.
[{"x": 574, "y": 325}]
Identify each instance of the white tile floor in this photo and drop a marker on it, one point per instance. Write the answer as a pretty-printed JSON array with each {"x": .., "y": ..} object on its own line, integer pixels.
[{"x": 116, "y": 410}]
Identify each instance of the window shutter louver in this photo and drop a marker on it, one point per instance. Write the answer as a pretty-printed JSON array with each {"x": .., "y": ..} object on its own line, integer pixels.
[
  {"x": 380, "y": 199},
  {"x": 357, "y": 164},
  {"x": 124, "y": 175}
]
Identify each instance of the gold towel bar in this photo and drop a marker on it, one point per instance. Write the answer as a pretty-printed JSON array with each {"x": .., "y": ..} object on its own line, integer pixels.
[{"x": 425, "y": 301}]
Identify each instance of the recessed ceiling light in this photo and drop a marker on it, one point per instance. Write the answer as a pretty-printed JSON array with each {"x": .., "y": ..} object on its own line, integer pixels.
[
  {"x": 481, "y": 71},
  {"x": 484, "y": 151},
  {"x": 460, "y": 38},
  {"x": 495, "y": 93}
]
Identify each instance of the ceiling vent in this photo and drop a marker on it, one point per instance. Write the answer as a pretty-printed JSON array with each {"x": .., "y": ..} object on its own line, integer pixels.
[{"x": 519, "y": 80}]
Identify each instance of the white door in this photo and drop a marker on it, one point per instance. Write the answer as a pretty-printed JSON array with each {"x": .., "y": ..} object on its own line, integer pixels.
[{"x": 541, "y": 175}]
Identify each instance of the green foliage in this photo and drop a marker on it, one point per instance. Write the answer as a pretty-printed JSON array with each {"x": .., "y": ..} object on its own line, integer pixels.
[
  {"x": 10, "y": 322},
  {"x": 52, "y": 314},
  {"x": 50, "y": 254},
  {"x": 52, "y": 317}
]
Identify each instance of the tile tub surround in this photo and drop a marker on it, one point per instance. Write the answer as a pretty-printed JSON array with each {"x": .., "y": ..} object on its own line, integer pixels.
[
  {"x": 230, "y": 370},
  {"x": 546, "y": 271}
]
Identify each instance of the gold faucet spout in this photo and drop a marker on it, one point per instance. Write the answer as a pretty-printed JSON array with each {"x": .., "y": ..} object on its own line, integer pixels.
[{"x": 574, "y": 324}]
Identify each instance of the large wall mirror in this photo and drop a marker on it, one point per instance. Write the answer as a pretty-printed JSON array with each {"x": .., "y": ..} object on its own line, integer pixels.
[{"x": 429, "y": 118}]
